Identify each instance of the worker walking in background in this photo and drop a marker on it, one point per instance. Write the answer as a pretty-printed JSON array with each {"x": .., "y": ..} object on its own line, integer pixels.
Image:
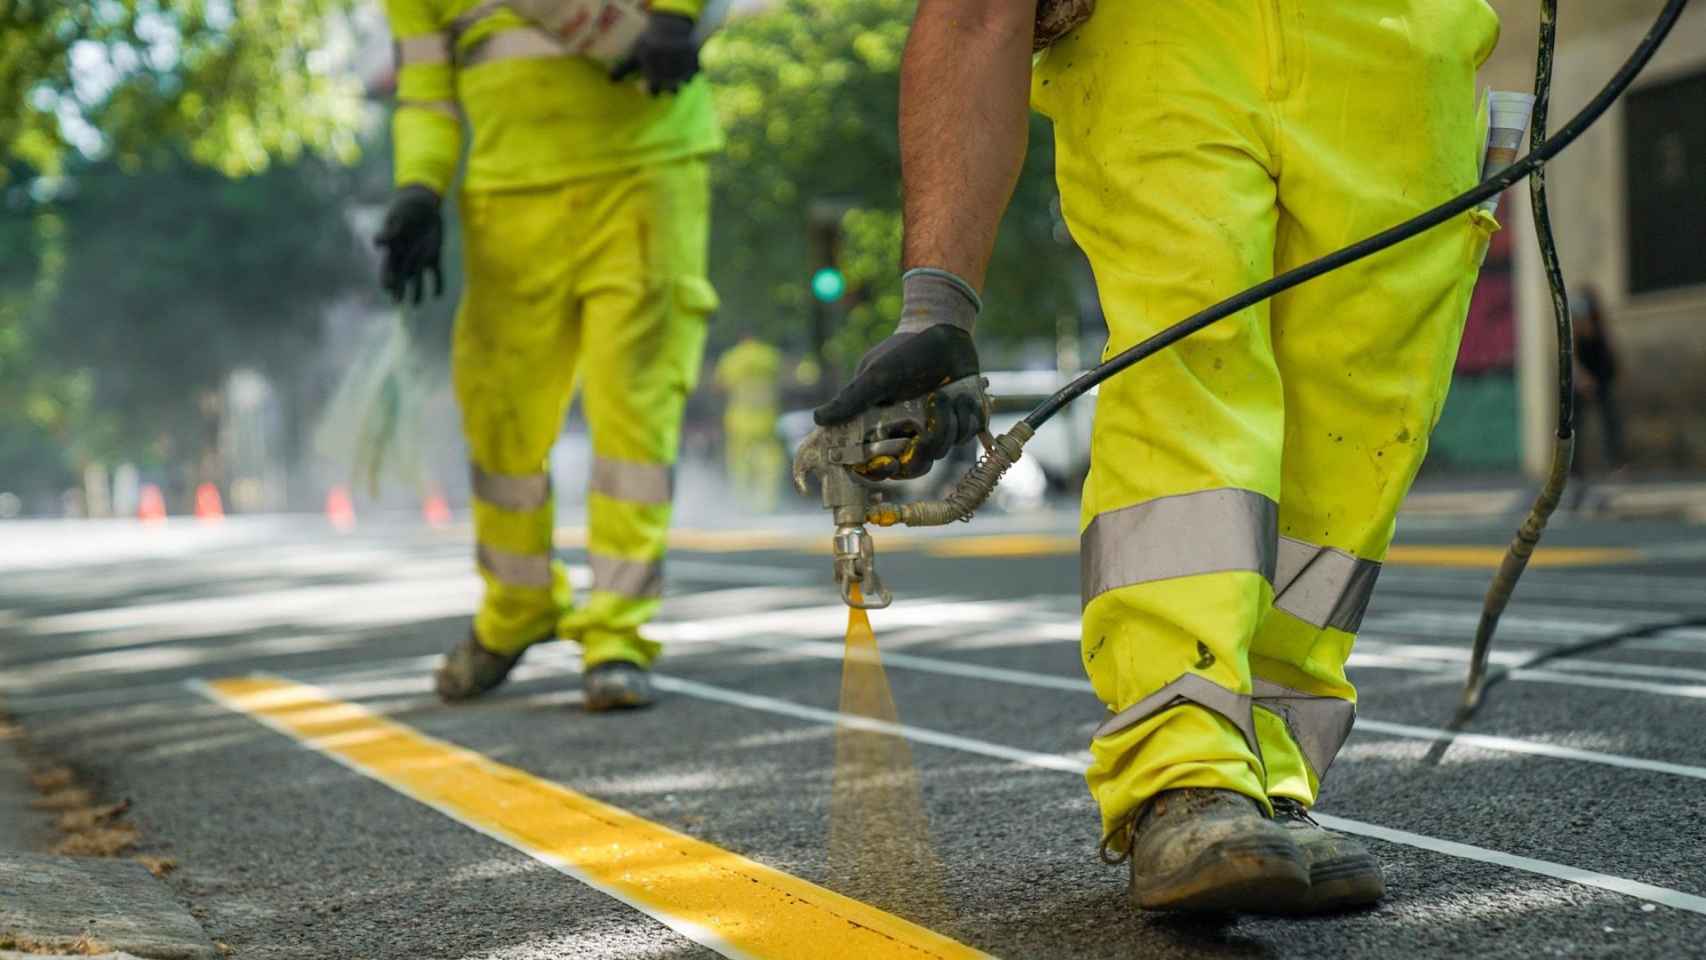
[
  {"x": 585, "y": 214},
  {"x": 1244, "y": 482},
  {"x": 747, "y": 374},
  {"x": 1596, "y": 382}
]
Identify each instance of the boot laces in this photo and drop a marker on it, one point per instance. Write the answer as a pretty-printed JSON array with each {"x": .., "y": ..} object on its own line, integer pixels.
[{"x": 1286, "y": 808}]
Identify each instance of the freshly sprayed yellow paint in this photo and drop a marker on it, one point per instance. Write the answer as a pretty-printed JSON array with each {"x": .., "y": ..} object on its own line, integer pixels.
[
  {"x": 1005, "y": 545},
  {"x": 1470, "y": 555},
  {"x": 719, "y": 899},
  {"x": 1417, "y": 555}
]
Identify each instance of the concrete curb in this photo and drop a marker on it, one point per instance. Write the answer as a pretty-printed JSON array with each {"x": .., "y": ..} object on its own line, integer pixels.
[
  {"x": 22, "y": 826},
  {"x": 115, "y": 902}
]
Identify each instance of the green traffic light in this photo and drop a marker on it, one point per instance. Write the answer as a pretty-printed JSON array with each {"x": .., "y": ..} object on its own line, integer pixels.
[{"x": 828, "y": 285}]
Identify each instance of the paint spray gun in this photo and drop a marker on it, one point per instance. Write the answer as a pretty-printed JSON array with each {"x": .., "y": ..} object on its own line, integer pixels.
[{"x": 851, "y": 462}]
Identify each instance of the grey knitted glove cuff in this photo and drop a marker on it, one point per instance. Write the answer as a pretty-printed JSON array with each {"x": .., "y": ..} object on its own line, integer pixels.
[{"x": 930, "y": 296}]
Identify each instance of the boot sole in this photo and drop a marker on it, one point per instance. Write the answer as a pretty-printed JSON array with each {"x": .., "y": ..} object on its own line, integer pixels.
[
  {"x": 1245, "y": 876},
  {"x": 1345, "y": 883}
]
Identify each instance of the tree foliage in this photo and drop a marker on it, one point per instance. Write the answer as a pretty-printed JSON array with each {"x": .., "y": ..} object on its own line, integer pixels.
[
  {"x": 808, "y": 94},
  {"x": 235, "y": 83},
  {"x": 133, "y": 273}
]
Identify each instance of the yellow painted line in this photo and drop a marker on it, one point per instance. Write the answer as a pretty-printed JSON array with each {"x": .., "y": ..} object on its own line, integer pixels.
[
  {"x": 1006, "y": 545},
  {"x": 721, "y": 900},
  {"x": 748, "y": 541},
  {"x": 1470, "y": 555},
  {"x": 1490, "y": 557}
]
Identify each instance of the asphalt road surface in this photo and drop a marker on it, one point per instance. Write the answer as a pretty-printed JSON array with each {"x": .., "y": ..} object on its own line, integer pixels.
[{"x": 259, "y": 690}]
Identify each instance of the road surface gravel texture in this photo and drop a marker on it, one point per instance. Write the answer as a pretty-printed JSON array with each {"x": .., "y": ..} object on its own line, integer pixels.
[{"x": 1568, "y": 825}]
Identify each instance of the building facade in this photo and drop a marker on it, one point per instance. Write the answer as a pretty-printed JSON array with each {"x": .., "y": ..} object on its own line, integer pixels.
[{"x": 1628, "y": 206}]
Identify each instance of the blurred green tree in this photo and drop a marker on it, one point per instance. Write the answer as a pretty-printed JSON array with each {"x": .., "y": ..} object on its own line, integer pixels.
[
  {"x": 134, "y": 274},
  {"x": 235, "y": 83},
  {"x": 808, "y": 93}
]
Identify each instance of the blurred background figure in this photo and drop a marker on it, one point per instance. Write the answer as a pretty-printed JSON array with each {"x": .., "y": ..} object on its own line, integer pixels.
[
  {"x": 1596, "y": 376},
  {"x": 748, "y": 376},
  {"x": 585, "y": 206}
]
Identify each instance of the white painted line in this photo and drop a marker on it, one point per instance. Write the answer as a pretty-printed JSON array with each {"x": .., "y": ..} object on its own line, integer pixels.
[
  {"x": 787, "y": 708},
  {"x": 1531, "y": 747},
  {"x": 1077, "y": 765},
  {"x": 824, "y": 650},
  {"x": 1545, "y": 868},
  {"x": 1424, "y": 654}
]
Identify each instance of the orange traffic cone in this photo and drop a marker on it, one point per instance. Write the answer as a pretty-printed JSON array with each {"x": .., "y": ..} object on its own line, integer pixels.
[
  {"x": 151, "y": 506},
  {"x": 435, "y": 510},
  {"x": 339, "y": 510},
  {"x": 208, "y": 508}
]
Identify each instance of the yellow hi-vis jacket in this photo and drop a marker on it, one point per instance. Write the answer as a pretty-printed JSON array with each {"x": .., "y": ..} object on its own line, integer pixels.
[{"x": 538, "y": 116}]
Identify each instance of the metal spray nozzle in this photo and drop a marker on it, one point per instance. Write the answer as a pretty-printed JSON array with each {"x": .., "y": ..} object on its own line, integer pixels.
[{"x": 856, "y": 569}]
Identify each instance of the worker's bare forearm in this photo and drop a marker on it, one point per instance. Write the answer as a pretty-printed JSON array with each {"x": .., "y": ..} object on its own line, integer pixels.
[{"x": 964, "y": 113}]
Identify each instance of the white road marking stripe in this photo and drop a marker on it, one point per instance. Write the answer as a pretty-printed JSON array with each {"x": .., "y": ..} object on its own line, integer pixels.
[
  {"x": 1077, "y": 765},
  {"x": 1046, "y": 761},
  {"x": 1382, "y": 661},
  {"x": 1532, "y": 747},
  {"x": 825, "y": 650},
  {"x": 1545, "y": 868},
  {"x": 1427, "y": 653}
]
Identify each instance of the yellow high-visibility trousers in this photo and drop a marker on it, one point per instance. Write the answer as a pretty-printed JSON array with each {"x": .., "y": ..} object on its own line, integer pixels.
[
  {"x": 1245, "y": 482},
  {"x": 598, "y": 283}
]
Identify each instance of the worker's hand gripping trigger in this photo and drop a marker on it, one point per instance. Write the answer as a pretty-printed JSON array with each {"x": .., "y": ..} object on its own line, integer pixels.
[{"x": 852, "y": 459}]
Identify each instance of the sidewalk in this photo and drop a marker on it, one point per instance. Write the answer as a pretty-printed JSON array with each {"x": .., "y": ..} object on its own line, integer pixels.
[{"x": 56, "y": 905}]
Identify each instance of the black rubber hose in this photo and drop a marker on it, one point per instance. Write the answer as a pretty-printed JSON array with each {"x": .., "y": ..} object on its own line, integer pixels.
[
  {"x": 1563, "y": 451},
  {"x": 1493, "y": 186}
]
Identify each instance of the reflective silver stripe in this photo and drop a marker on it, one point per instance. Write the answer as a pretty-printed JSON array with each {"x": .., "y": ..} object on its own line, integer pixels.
[
  {"x": 515, "y": 569},
  {"x": 425, "y": 50},
  {"x": 481, "y": 12},
  {"x": 1189, "y": 688},
  {"x": 1323, "y": 586},
  {"x": 449, "y": 108},
  {"x": 521, "y": 44},
  {"x": 1208, "y": 532},
  {"x": 630, "y": 578},
  {"x": 1318, "y": 724},
  {"x": 512, "y": 491},
  {"x": 632, "y": 482}
]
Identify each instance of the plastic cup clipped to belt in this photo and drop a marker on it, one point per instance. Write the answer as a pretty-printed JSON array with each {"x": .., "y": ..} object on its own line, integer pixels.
[{"x": 1508, "y": 116}]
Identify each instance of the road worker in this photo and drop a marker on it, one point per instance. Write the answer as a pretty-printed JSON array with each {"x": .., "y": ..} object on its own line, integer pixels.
[
  {"x": 584, "y": 206},
  {"x": 752, "y": 453},
  {"x": 1245, "y": 482}
]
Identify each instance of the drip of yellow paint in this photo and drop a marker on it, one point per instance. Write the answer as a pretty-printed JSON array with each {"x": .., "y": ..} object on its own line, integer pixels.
[{"x": 879, "y": 838}]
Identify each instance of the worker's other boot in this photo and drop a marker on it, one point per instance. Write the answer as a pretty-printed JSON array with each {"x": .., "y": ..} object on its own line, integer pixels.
[
  {"x": 469, "y": 670},
  {"x": 1342, "y": 873},
  {"x": 616, "y": 685},
  {"x": 1212, "y": 851}
]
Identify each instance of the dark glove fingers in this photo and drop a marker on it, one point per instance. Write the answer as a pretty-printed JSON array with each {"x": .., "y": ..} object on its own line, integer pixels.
[
  {"x": 625, "y": 69},
  {"x": 970, "y": 418},
  {"x": 859, "y": 395},
  {"x": 938, "y": 437},
  {"x": 437, "y": 280}
]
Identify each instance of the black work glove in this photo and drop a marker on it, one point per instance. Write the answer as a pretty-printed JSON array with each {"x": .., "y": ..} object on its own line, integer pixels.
[
  {"x": 411, "y": 238},
  {"x": 931, "y": 348},
  {"x": 666, "y": 53}
]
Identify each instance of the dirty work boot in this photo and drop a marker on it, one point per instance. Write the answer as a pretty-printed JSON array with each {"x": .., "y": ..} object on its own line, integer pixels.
[
  {"x": 469, "y": 669},
  {"x": 1211, "y": 851},
  {"x": 1342, "y": 873},
  {"x": 616, "y": 685}
]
